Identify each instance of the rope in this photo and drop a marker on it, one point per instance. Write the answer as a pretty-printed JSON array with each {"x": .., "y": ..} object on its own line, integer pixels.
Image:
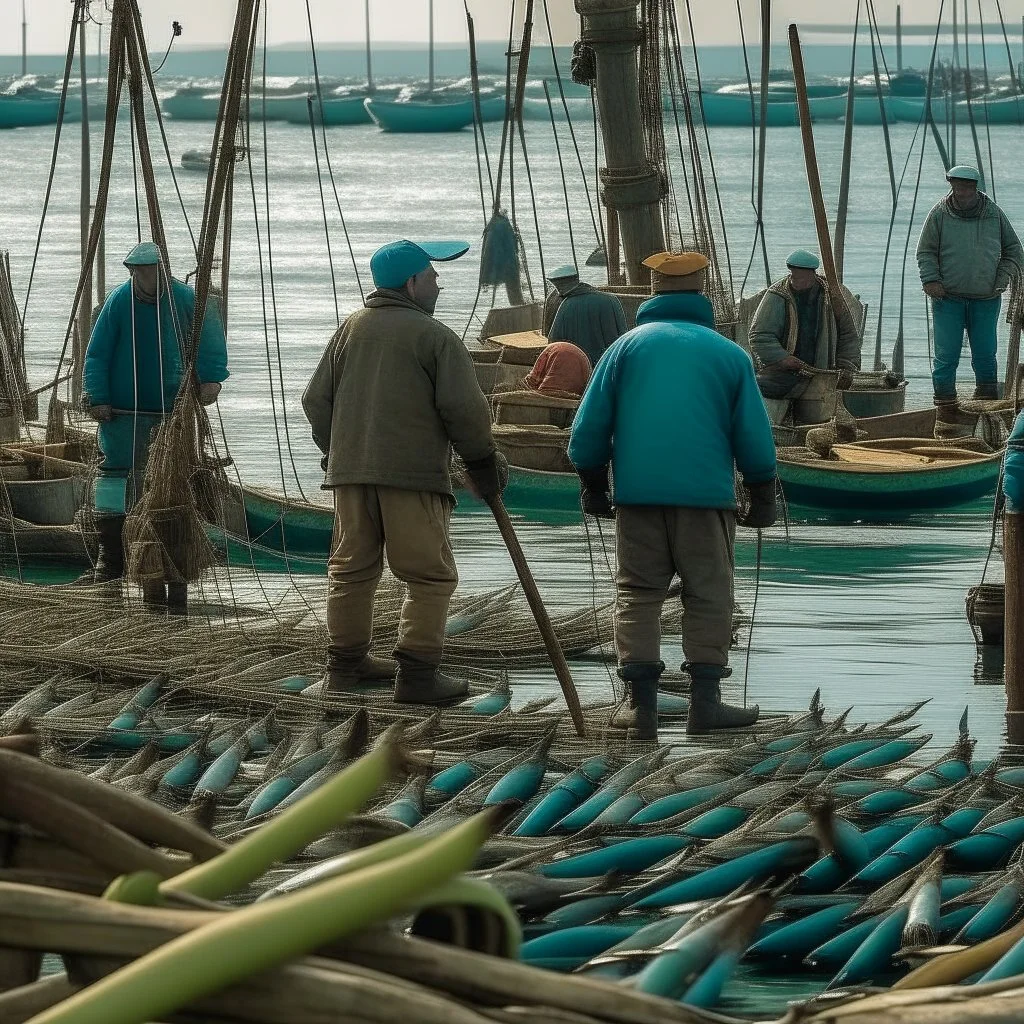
[
  {"x": 988, "y": 126},
  {"x": 479, "y": 138},
  {"x": 175, "y": 32},
  {"x": 323, "y": 209},
  {"x": 561, "y": 171}
]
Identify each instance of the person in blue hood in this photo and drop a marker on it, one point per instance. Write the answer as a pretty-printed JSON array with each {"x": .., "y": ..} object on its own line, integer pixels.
[
  {"x": 132, "y": 374},
  {"x": 675, "y": 409}
]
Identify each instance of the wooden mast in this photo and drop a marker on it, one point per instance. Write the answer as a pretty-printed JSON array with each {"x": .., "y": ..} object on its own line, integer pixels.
[
  {"x": 369, "y": 57},
  {"x": 24, "y": 41},
  {"x": 844, "y": 176},
  {"x": 430, "y": 75},
  {"x": 85, "y": 210},
  {"x": 630, "y": 184},
  {"x": 899, "y": 39}
]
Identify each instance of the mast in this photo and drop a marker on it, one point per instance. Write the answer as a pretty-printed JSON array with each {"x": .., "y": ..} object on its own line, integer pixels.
[
  {"x": 369, "y": 61},
  {"x": 631, "y": 185},
  {"x": 85, "y": 210},
  {"x": 24, "y": 41},
  {"x": 430, "y": 76},
  {"x": 899, "y": 38}
]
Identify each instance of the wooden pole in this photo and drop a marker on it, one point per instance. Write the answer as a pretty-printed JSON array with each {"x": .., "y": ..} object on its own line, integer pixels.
[
  {"x": 629, "y": 183},
  {"x": 430, "y": 77},
  {"x": 369, "y": 57},
  {"x": 613, "y": 255},
  {"x": 844, "y": 174},
  {"x": 85, "y": 211},
  {"x": 1013, "y": 633},
  {"x": 899, "y": 38},
  {"x": 811, "y": 163},
  {"x": 540, "y": 613},
  {"x": 762, "y": 131},
  {"x": 24, "y": 41}
]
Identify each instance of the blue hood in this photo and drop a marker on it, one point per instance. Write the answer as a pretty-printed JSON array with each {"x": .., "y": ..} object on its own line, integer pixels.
[{"x": 691, "y": 307}]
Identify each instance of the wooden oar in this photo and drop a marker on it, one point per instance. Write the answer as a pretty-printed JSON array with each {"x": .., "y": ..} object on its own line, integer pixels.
[{"x": 540, "y": 613}]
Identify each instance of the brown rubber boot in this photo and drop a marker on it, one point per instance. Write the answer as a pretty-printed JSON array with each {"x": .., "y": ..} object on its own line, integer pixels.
[
  {"x": 349, "y": 669},
  {"x": 638, "y": 712}
]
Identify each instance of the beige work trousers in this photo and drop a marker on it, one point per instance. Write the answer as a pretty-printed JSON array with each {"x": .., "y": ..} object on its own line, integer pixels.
[
  {"x": 654, "y": 543},
  {"x": 411, "y": 528}
]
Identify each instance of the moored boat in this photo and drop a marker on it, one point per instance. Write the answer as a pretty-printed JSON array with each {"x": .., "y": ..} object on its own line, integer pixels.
[{"x": 431, "y": 115}]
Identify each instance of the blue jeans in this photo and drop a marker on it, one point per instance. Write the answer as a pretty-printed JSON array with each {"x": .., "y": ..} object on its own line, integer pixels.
[{"x": 952, "y": 317}]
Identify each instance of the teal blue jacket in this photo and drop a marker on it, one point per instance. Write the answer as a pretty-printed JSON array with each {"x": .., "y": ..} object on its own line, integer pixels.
[
  {"x": 135, "y": 377},
  {"x": 674, "y": 407}
]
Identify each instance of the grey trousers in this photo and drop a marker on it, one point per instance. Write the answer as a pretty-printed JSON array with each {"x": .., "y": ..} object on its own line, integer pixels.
[{"x": 654, "y": 544}]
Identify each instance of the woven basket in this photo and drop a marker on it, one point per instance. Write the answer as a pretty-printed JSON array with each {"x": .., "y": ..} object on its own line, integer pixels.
[{"x": 538, "y": 448}]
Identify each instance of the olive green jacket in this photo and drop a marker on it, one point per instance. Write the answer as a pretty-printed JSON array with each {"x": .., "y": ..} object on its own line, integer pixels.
[
  {"x": 773, "y": 331},
  {"x": 973, "y": 256},
  {"x": 394, "y": 392}
]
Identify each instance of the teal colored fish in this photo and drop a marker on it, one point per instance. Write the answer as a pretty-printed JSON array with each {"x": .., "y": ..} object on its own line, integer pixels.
[
  {"x": 453, "y": 780},
  {"x": 676, "y": 803},
  {"x": 872, "y": 960},
  {"x": 523, "y": 781},
  {"x": 989, "y": 849},
  {"x": 994, "y": 916},
  {"x": 131, "y": 714},
  {"x": 407, "y": 807},
  {"x": 491, "y": 703},
  {"x": 221, "y": 773},
  {"x": 628, "y": 856},
  {"x": 795, "y": 940},
  {"x": 584, "y": 942},
  {"x": 565, "y": 795}
]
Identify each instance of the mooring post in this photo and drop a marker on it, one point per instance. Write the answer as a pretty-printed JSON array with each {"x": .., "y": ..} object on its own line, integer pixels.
[{"x": 1013, "y": 562}]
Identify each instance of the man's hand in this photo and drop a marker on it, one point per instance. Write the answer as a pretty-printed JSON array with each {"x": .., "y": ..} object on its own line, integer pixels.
[
  {"x": 595, "y": 493},
  {"x": 488, "y": 476},
  {"x": 208, "y": 392},
  {"x": 790, "y": 363},
  {"x": 101, "y": 413},
  {"x": 935, "y": 290},
  {"x": 762, "y": 511},
  {"x": 845, "y": 381}
]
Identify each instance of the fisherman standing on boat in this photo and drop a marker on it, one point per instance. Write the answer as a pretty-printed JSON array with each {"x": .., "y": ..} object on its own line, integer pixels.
[
  {"x": 588, "y": 317},
  {"x": 674, "y": 407},
  {"x": 131, "y": 377},
  {"x": 798, "y": 327},
  {"x": 967, "y": 254},
  {"x": 394, "y": 392}
]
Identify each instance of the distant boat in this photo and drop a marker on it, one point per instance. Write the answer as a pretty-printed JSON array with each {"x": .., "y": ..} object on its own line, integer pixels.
[
  {"x": 195, "y": 160},
  {"x": 438, "y": 115}
]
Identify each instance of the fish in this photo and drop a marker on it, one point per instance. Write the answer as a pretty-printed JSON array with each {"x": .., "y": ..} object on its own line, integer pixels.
[
  {"x": 35, "y": 703},
  {"x": 794, "y": 941},
  {"x": 493, "y": 702},
  {"x": 408, "y": 807},
  {"x": 222, "y": 771},
  {"x": 454, "y": 779},
  {"x": 990, "y": 848},
  {"x": 185, "y": 768},
  {"x": 995, "y": 915},
  {"x": 581, "y": 943},
  {"x": 564, "y": 796},
  {"x": 131, "y": 714},
  {"x": 530, "y": 892},
  {"x": 521, "y": 782},
  {"x": 872, "y": 959},
  {"x": 922, "y": 927},
  {"x": 629, "y": 856}
]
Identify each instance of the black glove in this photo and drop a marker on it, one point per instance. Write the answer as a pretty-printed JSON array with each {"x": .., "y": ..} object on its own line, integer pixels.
[
  {"x": 761, "y": 511},
  {"x": 845, "y": 381},
  {"x": 488, "y": 476},
  {"x": 595, "y": 493}
]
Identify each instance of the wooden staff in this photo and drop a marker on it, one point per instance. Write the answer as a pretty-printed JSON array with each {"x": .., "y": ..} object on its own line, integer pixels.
[
  {"x": 828, "y": 262},
  {"x": 540, "y": 613}
]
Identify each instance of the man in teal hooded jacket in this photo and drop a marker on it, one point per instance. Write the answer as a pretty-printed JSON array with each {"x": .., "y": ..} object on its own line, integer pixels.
[
  {"x": 675, "y": 408},
  {"x": 131, "y": 377},
  {"x": 968, "y": 254}
]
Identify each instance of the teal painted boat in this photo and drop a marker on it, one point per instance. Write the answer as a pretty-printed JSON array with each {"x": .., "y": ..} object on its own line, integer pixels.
[
  {"x": 337, "y": 110},
  {"x": 431, "y": 116}
]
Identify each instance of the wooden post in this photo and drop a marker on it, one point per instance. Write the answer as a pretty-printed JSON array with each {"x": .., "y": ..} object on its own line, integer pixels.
[
  {"x": 899, "y": 38},
  {"x": 540, "y": 614},
  {"x": 369, "y": 57},
  {"x": 85, "y": 210},
  {"x": 24, "y": 41},
  {"x": 629, "y": 183},
  {"x": 1013, "y": 632},
  {"x": 844, "y": 175},
  {"x": 613, "y": 255},
  {"x": 811, "y": 163},
  {"x": 762, "y": 130},
  {"x": 430, "y": 76}
]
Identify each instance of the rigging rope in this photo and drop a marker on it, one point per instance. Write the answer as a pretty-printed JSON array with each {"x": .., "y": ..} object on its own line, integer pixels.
[{"x": 323, "y": 210}]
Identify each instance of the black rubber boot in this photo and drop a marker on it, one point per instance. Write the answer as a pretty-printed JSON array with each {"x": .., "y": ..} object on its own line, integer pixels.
[
  {"x": 420, "y": 682},
  {"x": 348, "y": 669},
  {"x": 177, "y": 599},
  {"x": 110, "y": 558},
  {"x": 987, "y": 392},
  {"x": 707, "y": 712},
  {"x": 638, "y": 712},
  {"x": 154, "y": 597}
]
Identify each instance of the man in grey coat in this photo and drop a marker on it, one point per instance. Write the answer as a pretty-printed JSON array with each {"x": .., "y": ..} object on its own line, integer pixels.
[
  {"x": 798, "y": 326},
  {"x": 586, "y": 316},
  {"x": 394, "y": 392},
  {"x": 967, "y": 255}
]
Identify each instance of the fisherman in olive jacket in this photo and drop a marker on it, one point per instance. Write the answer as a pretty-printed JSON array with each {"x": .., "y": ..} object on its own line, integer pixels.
[
  {"x": 797, "y": 326},
  {"x": 967, "y": 254},
  {"x": 394, "y": 392}
]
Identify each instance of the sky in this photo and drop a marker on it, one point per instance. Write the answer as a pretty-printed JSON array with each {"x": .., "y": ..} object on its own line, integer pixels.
[{"x": 208, "y": 22}]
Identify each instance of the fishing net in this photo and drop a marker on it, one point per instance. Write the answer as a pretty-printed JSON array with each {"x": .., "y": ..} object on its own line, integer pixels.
[{"x": 499, "y": 253}]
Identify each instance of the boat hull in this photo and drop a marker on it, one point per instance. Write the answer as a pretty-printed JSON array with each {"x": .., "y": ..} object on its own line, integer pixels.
[{"x": 412, "y": 116}]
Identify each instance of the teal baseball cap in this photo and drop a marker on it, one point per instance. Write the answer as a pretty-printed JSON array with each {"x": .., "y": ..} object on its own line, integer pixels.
[
  {"x": 393, "y": 264},
  {"x": 565, "y": 271},
  {"x": 145, "y": 254},
  {"x": 964, "y": 172},
  {"x": 803, "y": 260}
]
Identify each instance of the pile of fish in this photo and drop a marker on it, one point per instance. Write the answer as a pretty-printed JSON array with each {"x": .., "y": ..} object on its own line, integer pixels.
[{"x": 812, "y": 845}]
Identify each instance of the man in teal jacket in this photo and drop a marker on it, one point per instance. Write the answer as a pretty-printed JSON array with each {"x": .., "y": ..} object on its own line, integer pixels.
[
  {"x": 967, "y": 255},
  {"x": 132, "y": 374},
  {"x": 675, "y": 408}
]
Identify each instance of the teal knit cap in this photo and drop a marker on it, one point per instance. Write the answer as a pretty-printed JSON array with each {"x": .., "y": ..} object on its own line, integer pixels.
[{"x": 803, "y": 260}]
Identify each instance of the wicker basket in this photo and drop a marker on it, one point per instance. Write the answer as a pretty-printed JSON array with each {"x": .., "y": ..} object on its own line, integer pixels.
[{"x": 534, "y": 447}]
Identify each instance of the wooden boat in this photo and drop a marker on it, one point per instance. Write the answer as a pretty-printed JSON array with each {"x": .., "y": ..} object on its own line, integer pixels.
[{"x": 431, "y": 116}]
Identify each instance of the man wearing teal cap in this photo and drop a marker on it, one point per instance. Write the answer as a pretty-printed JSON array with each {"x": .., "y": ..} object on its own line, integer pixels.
[
  {"x": 394, "y": 392},
  {"x": 132, "y": 374},
  {"x": 587, "y": 317},
  {"x": 797, "y": 326},
  {"x": 967, "y": 255}
]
